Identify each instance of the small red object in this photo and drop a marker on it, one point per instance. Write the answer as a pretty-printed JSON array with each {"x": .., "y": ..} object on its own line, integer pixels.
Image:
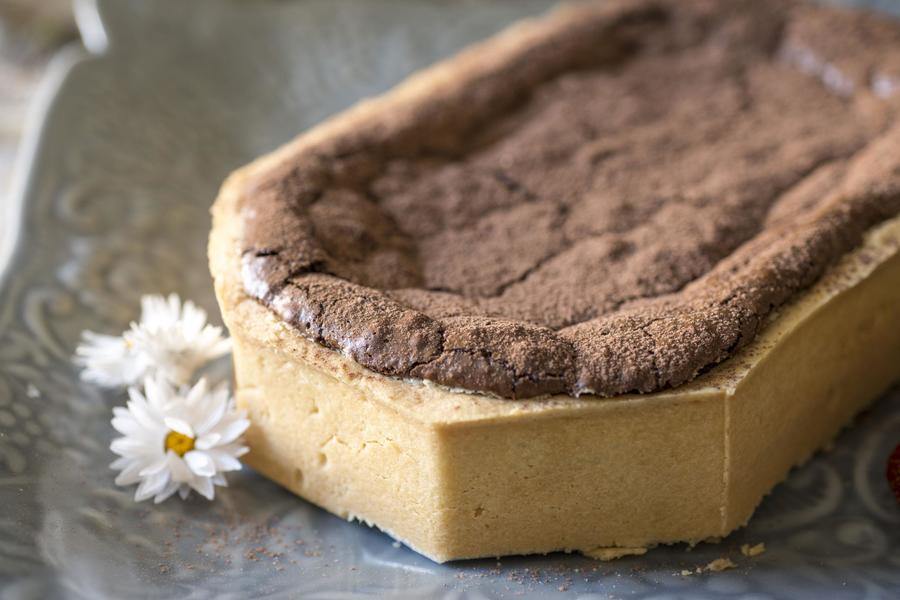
[{"x": 893, "y": 472}]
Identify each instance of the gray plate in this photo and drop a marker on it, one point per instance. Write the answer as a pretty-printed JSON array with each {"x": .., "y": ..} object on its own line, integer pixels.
[{"x": 126, "y": 150}]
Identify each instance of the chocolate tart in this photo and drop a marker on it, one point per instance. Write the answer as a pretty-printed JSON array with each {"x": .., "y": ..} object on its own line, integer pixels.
[{"x": 595, "y": 284}]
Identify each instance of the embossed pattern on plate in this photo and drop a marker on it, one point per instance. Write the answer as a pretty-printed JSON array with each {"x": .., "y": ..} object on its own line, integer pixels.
[{"x": 128, "y": 156}]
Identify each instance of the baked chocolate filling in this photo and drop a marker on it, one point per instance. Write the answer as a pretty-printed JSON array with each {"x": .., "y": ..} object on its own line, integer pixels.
[{"x": 614, "y": 207}]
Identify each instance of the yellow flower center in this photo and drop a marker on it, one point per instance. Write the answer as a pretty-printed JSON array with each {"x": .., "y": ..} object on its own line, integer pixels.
[{"x": 179, "y": 443}]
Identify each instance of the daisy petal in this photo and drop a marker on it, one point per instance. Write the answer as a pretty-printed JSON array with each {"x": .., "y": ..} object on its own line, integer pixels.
[
  {"x": 120, "y": 463},
  {"x": 127, "y": 426},
  {"x": 154, "y": 467},
  {"x": 200, "y": 463},
  {"x": 212, "y": 418},
  {"x": 128, "y": 447},
  {"x": 180, "y": 471},
  {"x": 179, "y": 425},
  {"x": 221, "y": 347},
  {"x": 166, "y": 492},
  {"x": 198, "y": 392},
  {"x": 233, "y": 430},
  {"x": 130, "y": 474},
  {"x": 151, "y": 486},
  {"x": 225, "y": 461},
  {"x": 204, "y": 487},
  {"x": 208, "y": 441},
  {"x": 141, "y": 413}
]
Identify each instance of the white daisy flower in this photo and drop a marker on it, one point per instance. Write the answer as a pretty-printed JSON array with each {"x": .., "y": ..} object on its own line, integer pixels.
[
  {"x": 171, "y": 340},
  {"x": 177, "y": 441}
]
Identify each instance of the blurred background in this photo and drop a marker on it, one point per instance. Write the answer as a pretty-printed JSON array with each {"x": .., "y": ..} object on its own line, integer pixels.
[{"x": 30, "y": 31}]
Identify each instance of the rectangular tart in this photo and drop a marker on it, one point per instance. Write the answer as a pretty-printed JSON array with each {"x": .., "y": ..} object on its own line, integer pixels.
[{"x": 595, "y": 284}]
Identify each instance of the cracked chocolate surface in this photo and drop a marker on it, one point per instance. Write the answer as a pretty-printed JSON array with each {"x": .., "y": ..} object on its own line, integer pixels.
[{"x": 614, "y": 208}]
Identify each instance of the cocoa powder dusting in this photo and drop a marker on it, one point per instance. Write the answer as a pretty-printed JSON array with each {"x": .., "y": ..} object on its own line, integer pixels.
[{"x": 613, "y": 209}]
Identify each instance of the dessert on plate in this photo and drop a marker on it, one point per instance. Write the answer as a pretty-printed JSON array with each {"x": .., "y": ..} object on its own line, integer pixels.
[{"x": 595, "y": 284}]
